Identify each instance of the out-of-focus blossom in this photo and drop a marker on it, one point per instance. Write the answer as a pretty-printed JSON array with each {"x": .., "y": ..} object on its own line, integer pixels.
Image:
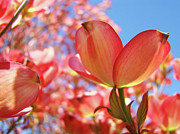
[
  {"x": 6, "y": 12},
  {"x": 39, "y": 5},
  {"x": 45, "y": 64},
  {"x": 105, "y": 61},
  {"x": 158, "y": 77},
  {"x": 165, "y": 113},
  {"x": 86, "y": 104},
  {"x": 3, "y": 6},
  {"x": 49, "y": 74},
  {"x": 176, "y": 66},
  {"x": 42, "y": 104},
  {"x": 14, "y": 55},
  {"x": 42, "y": 57},
  {"x": 19, "y": 88},
  {"x": 138, "y": 90},
  {"x": 34, "y": 6},
  {"x": 74, "y": 126},
  {"x": 167, "y": 62},
  {"x": 8, "y": 8}
]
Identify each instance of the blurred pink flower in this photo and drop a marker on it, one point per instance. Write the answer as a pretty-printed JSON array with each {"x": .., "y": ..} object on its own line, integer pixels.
[
  {"x": 45, "y": 64},
  {"x": 176, "y": 66},
  {"x": 165, "y": 113}
]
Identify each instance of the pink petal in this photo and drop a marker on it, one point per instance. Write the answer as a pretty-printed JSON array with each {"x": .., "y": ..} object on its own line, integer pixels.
[
  {"x": 19, "y": 88},
  {"x": 153, "y": 110},
  {"x": 42, "y": 57},
  {"x": 22, "y": 112},
  {"x": 13, "y": 55},
  {"x": 169, "y": 112},
  {"x": 3, "y": 6},
  {"x": 1, "y": 42},
  {"x": 140, "y": 57},
  {"x": 176, "y": 66},
  {"x": 76, "y": 65},
  {"x": 98, "y": 46},
  {"x": 73, "y": 125},
  {"x": 50, "y": 74},
  {"x": 4, "y": 20}
]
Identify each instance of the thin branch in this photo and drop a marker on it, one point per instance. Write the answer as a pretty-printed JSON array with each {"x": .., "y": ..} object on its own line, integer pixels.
[
  {"x": 13, "y": 125},
  {"x": 23, "y": 4}
]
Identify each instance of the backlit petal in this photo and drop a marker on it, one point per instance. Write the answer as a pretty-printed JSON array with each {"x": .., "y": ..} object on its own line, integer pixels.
[
  {"x": 19, "y": 88},
  {"x": 22, "y": 112},
  {"x": 140, "y": 57},
  {"x": 50, "y": 74},
  {"x": 76, "y": 65},
  {"x": 169, "y": 113},
  {"x": 98, "y": 46}
]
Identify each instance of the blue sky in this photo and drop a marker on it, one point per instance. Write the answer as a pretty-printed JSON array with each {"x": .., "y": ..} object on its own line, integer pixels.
[{"x": 135, "y": 16}]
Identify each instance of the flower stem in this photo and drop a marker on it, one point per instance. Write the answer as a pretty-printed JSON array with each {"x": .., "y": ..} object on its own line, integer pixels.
[
  {"x": 124, "y": 107},
  {"x": 23, "y": 4},
  {"x": 123, "y": 104}
]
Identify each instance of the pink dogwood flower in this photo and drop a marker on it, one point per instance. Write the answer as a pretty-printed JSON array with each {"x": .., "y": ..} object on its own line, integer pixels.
[{"x": 103, "y": 59}]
